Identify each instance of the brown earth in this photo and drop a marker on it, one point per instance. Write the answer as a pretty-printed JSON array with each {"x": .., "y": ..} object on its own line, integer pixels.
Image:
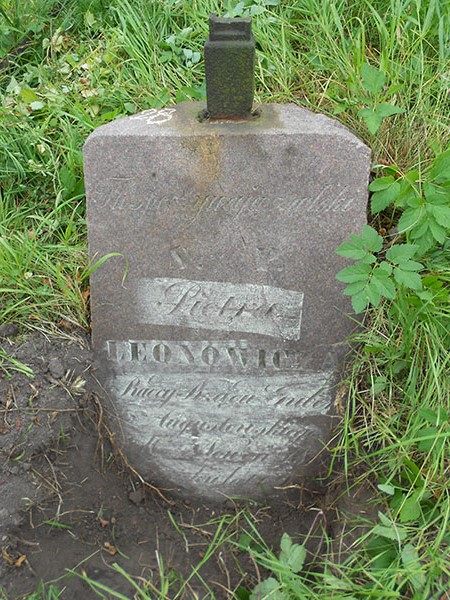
[{"x": 70, "y": 505}]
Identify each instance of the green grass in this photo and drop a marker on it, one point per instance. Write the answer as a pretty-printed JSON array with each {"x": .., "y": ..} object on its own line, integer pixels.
[{"x": 74, "y": 65}]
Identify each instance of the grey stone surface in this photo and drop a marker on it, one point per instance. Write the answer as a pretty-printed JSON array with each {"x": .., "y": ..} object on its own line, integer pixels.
[{"x": 219, "y": 328}]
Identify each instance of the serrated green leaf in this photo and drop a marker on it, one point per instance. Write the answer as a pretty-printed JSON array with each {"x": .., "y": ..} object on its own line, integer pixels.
[
  {"x": 431, "y": 189},
  {"x": 383, "y": 283},
  {"x": 381, "y": 183},
  {"x": 409, "y": 279},
  {"x": 373, "y": 294},
  {"x": 371, "y": 239},
  {"x": 356, "y": 272},
  {"x": 441, "y": 214},
  {"x": 371, "y": 119},
  {"x": 353, "y": 249},
  {"x": 385, "y": 267},
  {"x": 381, "y": 200},
  {"x": 413, "y": 199},
  {"x": 400, "y": 252},
  {"x": 387, "y": 110},
  {"x": 440, "y": 170},
  {"x": 354, "y": 288},
  {"x": 372, "y": 79},
  {"x": 411, "y": 265},
  {"x": 439, "y": 233},
  {"x": 409, "y": 219},
  {"x": 425, "y": 242},
  {"x": 360, "y": 301}
]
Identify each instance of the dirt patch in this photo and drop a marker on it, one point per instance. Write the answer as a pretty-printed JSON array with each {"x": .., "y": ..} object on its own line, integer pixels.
[{"x": 69, "y": 506}]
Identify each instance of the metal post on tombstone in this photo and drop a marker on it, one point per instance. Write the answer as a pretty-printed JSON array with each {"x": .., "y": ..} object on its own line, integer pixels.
[{"x": 229, "y": 66}]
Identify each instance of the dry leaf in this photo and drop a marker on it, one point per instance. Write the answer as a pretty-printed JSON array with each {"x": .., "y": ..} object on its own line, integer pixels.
[
  {"x": 19, "y": 562},
  {"x": 9, "y": 559}
]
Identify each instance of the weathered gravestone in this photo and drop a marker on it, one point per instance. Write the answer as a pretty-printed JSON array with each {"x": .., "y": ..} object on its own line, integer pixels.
[{"x": 219, "y": 328}]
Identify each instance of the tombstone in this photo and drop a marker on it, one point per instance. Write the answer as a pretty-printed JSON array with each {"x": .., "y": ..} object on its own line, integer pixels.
[{"x": 219, "y": 326}]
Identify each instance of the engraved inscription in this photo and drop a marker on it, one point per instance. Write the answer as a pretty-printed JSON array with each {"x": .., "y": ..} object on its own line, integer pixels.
[
  {"x": 327, "y": 200},
  {"x": 221, "y": 355},
  {"x": 228, "y": 430},
  {"x": 307, "y": 394},
  {"x": 249, "y": 308}
]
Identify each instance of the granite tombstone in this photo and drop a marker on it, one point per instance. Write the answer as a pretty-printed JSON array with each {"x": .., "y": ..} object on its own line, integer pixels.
[{"x": 219, "y": 325}]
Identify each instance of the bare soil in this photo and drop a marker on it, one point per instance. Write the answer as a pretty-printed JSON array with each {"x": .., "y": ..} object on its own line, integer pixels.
[{"x": 70, "y": 506}]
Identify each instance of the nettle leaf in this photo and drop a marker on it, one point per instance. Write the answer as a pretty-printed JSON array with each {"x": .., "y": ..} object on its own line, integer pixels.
[
  {"x": 372, "y": 240},
  {"x": 409, "y": 279},
  {"x": 372, "y": 79},
  {"x": 387, "y": 110},
  {"x": 381, "y": 183},
  {"x": 371, "y": 119},
  {"x": 381, "y": 200},
  {"x": 357, "y": 272},
  {"x": 401, "y": 252}
]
